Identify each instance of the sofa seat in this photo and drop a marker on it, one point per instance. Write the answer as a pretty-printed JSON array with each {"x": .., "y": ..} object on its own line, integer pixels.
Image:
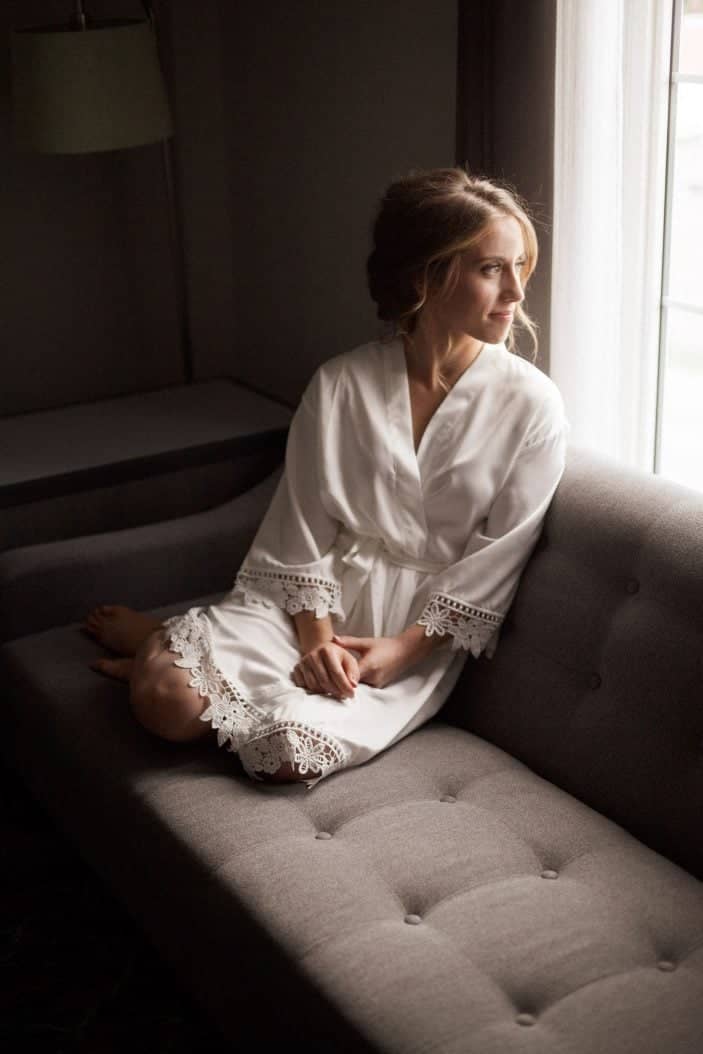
[{"x": 441, "y": 897}]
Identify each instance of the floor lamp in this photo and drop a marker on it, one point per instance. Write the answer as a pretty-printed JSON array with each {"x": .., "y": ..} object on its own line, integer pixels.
[{"x": 90, "y": 86}]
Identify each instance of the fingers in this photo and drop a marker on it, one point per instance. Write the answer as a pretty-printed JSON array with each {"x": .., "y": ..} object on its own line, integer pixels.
[
  {"x": 350, "y": 667},
  {"x": 312, "y": 676},
  {"x": 343, "y": 685},
  {"x": 357, "y": 643},
  {"x": 310, "y": 681},
  {"x": 329, "y": 671}
]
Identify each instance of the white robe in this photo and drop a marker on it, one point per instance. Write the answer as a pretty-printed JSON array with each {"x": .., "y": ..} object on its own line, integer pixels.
[{"x": 380, "y": 537}]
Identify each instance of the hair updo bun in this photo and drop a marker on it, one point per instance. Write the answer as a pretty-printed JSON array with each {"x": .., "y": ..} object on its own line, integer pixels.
[{"x": 423, "y": 222}]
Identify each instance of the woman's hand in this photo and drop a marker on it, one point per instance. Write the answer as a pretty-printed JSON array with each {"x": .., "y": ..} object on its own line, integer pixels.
[
  {"x": 384, "y": 659},
  {"x": 381, "y": 659},
  {"x": 327, "y": 668}
]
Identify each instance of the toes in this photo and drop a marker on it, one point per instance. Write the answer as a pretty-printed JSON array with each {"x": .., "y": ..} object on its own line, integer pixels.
[
  {"x": 117, "y": 668},
  {"x": 101, "y": 610},
  {"x": 103, "y": 666},
  {"x": 97, "y": 618}
]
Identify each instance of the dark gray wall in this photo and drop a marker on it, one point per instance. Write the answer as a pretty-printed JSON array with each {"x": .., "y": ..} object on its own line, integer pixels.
[
  {"x": 292, "y": 118},
  {"x": 319, "y": 106},
  {"x": 86, "y": 286},
  {"x": 505, "y": 124}
]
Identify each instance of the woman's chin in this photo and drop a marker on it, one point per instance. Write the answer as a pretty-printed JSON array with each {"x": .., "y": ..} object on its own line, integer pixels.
[{"x": 493, "y": 331}]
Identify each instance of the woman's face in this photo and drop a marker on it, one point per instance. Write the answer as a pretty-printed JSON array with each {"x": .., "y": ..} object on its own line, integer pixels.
[{"x": 483, "y": 302}]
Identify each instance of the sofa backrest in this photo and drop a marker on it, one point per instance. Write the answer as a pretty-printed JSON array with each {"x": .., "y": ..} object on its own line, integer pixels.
[{"x": 597, "y": 680}]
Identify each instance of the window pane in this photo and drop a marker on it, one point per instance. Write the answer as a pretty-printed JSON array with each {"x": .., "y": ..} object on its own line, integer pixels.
[
  {"x": 691, "y": 44},
  {"x": 686, "y": 249},
  {"x": 682, "y": 421}
]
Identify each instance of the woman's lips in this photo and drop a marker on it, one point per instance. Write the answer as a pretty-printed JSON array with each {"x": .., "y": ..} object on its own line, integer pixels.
[{"x": 506, "y": 315}]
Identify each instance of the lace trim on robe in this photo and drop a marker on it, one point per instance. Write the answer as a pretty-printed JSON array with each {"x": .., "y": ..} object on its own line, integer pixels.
[
  {"x": 471, "y": 627},
  {"x": 234, "y": 717},
  {"x": 291, "y": 592},
  {"x": 306, "y": 749}
]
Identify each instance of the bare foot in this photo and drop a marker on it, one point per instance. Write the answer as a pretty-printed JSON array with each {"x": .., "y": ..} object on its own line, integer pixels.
[
  {"x": 119, "y": 628},
  {"x": 120, "y": 669}
]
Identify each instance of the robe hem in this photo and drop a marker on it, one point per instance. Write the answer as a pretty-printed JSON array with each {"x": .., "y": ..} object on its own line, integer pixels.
[
  {"x": 261, "y": 746},
  {"x": 471, "y": 627},
  {"x": 230, "y": 713},
  {"x": 293, "y": 592}
]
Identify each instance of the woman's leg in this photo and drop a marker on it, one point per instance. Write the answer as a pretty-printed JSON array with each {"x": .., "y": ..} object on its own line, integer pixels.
[
  {"x": 119, "y": 628},
  {"x": 159, "y": 693},
  {"x": 160, "y": 696}
]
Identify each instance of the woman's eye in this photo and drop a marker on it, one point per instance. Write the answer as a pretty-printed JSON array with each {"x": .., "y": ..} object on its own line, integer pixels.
[{"x": 496, "y": 267}]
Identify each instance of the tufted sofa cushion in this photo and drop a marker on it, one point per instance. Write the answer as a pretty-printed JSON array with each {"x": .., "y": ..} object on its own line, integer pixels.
[
  {"x": 440, "y": 897},
  {"x": 597, "y": 682}
]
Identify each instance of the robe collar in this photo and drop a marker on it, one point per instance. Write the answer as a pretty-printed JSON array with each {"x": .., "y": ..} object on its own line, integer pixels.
[{"x": 407, "y": 464}]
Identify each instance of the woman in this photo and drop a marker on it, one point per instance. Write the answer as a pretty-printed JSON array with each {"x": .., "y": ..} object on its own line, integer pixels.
[{"x": 418, "y": 472}]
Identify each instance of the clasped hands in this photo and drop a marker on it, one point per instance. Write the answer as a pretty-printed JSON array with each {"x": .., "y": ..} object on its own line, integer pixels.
[{"x": 331, "y": 668}]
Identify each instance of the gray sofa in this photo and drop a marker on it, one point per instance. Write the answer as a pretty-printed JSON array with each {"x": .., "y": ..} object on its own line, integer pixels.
[{"x": 522, "y": 873}]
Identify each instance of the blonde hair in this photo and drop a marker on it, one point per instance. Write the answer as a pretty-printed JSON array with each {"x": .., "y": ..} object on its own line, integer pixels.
[{"x": 424, "y": 222}]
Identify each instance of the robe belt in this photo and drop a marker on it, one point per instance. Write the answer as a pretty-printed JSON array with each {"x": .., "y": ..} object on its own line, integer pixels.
[{"x": 359, "y": 553}]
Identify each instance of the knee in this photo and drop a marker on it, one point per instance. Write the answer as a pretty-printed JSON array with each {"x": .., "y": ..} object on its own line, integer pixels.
[{"x": 164, "y": 708}]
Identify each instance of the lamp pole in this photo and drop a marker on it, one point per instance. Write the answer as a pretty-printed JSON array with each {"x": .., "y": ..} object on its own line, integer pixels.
[
  {"x": 80, "y": 15},
  {"x": 76, "y": 90}
]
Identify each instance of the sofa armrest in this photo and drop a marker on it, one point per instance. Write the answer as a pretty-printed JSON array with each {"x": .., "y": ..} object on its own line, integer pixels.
[{"x": 145, "y": 567}]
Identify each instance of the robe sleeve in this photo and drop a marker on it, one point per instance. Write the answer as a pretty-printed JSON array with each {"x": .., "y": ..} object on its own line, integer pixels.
[
  {"x": 291, "y": 562},
  {"x": 470, "y": 599}
]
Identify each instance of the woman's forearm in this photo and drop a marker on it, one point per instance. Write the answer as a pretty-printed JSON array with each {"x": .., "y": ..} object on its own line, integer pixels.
[
  {"x": 417, "y": 645},
  {"x": 311, "y": 630}
]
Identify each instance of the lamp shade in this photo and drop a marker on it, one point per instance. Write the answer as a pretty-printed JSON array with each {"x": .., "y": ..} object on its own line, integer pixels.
[{"x": 83, "y": 90}]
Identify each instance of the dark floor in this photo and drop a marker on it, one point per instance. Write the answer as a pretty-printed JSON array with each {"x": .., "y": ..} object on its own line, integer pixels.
[{"x": 76, "y": 976}]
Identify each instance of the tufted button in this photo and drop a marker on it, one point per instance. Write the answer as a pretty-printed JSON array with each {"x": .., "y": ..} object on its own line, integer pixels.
[
  {"x": 323, "y": 835},
  {"x": 448, "y": 797},
  {"x": 666, "y": 965},
  {"x": 632, "y": 585},
  {"x": 526, "y": 1019},
  {"x": 413, "y": 920},
  {"x": 594, "y": 680},
  {"x": 548, "y": 873}
]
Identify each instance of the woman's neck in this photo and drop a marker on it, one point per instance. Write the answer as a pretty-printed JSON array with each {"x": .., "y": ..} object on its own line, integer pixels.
[{"x": 436, "y": 364}]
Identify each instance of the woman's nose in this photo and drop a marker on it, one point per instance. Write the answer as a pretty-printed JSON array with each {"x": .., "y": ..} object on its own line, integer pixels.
[{"x": 513, "y": 289}]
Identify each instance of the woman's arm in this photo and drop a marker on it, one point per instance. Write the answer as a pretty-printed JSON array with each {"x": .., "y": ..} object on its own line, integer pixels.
[
  {"x": 312, "y": 631},
  {"x": 384, "y": 659},
  {"x": 324, "y": 666},
  {"x": 328, "y": 666}
]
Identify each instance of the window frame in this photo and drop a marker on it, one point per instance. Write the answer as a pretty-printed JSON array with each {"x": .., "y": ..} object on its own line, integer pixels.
[{"x": 668, "y": 303}]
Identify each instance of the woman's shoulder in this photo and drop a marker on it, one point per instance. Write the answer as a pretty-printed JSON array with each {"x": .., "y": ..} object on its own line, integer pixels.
[
  {"x": 524, "y": 376},
  {"x": 514, "y": 366},
  {"x": 531, "y": 394},
  {"x": 364, "y": 356},
  {"x": 358, "y": 364}
]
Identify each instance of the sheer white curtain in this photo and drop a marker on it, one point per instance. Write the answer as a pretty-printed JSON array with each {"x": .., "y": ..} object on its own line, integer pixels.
[{"x": 611, "y": 97}]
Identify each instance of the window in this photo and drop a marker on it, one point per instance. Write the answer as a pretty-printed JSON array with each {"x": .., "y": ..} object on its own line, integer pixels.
[
  {"x": 679, "y": 428},
  {"x": 612, "y": 86}
]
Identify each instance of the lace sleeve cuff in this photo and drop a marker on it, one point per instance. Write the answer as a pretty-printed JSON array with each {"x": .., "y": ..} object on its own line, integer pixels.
[
  {"x": 472, "y": 628},
  {"x": 291, "y": 592}
]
